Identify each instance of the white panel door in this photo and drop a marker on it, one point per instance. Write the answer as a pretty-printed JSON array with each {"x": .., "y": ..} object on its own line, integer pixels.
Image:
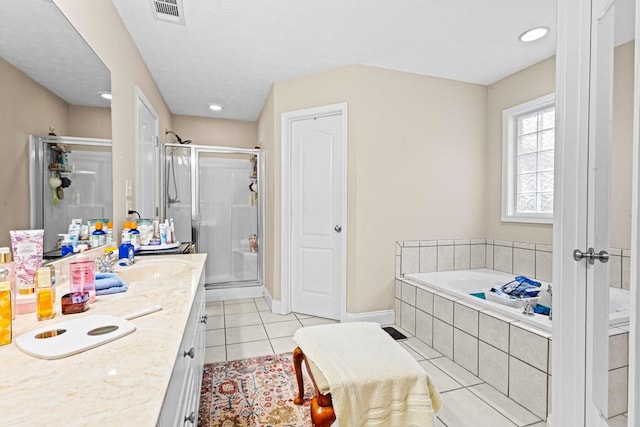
[
  {"x": 317, "y": 185},
  {"x": 147, "y": 157}
]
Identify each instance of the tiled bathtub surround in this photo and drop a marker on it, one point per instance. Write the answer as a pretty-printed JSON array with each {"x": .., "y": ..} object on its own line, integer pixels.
[
  {"x": 528, "y": 259},
  {"x": 511, "y": 356}
]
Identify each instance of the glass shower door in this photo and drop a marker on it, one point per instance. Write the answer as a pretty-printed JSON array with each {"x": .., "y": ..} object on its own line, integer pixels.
[
  {"x": 227, "y": 217},
  {"x": 177, "y": 195}
]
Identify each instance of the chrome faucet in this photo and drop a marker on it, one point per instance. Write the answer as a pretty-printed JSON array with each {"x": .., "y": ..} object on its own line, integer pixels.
[
  {"x": 550, "y": 292},
  {"x": 106, "y": 265}
]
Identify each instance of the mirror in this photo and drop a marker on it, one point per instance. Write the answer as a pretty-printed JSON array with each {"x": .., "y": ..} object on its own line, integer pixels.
[{"x": 49, "y": 78}]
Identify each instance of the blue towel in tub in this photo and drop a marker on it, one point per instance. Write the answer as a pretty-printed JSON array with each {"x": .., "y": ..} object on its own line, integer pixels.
[{"x": 110, "y": 283}]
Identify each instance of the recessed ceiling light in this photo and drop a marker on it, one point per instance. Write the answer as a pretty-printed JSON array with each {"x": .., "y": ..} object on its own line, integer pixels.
[
  {"x": 534, "y": 34},
  {"x": 105, "y": 95},
  {"x": 215, "y": 107}
]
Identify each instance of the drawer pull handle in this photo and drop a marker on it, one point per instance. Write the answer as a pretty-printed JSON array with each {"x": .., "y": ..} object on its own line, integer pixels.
[
  {"x": 191, "y": 353},
  {"x": 191, "y": 418},
  {"x": 204, "y": 318}
]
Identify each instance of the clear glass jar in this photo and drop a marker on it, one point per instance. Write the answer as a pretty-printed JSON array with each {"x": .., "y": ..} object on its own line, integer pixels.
[{"x": 145, "y": 227}]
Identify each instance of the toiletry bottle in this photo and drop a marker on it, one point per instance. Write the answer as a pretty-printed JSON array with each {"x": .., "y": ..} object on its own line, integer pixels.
[
  {"x": 109, "y": 233},
  {"x": 6, "y": 309},
  {"x": 167, "y": 230},
  {"x": 163, "y": 233},
  {"x": 173, "y": 231},
  {"x": 6, "y": 263},
  {"x": 134, "y": 236},
  {"x": 125, "y": 233},
  {"x": 27, "y": 254},
  {"x": 45, "y": 293},
  {"x": 82, "y": 277},
  {"x": 98, "y": 237},
  {"x": 67, "y": 245}
]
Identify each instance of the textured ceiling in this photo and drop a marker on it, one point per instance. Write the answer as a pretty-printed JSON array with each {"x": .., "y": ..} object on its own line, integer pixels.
[
  {"x": 36, "y": 38},
  {"x": 232, "y": 51}
]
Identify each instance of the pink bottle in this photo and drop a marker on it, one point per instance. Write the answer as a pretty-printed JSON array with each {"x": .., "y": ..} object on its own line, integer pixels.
[{"x": 82, "y": 277}]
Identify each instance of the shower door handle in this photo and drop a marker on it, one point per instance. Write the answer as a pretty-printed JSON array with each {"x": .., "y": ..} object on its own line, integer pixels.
[{"x": 338, "y": 228}]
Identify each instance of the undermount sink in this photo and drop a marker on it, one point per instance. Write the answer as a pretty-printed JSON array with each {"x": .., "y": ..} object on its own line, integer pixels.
[{"x": 150, "y": 270}]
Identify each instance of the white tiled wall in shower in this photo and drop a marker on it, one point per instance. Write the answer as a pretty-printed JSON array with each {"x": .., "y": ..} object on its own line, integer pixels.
[{"x": 528, "y": 259}]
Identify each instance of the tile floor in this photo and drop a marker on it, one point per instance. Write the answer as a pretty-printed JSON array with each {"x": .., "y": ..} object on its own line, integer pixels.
[{"x": 238, "y": 329}]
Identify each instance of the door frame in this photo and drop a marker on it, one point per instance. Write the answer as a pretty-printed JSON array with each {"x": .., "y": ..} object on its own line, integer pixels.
[
  {"x": 141, "y": 99},
  {"x": 573, "y": 356},
  {"x": 286, "y": 121},
  {"x": 633, "y": 400}
]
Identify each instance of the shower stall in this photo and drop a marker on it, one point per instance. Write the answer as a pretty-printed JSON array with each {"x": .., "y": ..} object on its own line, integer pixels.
[
  {"x": 214, "y": 195},
  {"x": 87, "y": 190}
]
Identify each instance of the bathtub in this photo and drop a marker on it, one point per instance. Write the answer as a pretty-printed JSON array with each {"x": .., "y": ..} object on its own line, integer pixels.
[{"x": 462, "y": 283}]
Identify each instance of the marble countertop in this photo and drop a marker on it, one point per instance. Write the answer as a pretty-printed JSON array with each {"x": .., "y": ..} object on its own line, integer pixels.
[{"x": 121, "y": 383}]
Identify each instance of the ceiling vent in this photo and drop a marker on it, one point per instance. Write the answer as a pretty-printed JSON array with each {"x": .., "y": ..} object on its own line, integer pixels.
[{"x": 168, "y": 10}]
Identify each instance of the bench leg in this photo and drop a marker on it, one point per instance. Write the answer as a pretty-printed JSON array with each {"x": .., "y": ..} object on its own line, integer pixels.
[
  {"x": 298, "y": 356},
  {"x": 322, "y": 414}
]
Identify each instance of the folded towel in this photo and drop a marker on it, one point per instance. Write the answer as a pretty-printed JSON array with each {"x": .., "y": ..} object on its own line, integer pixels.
[{"x": 110, "y": 283}]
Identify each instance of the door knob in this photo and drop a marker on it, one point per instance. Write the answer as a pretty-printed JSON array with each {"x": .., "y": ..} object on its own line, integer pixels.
[
  {"x": 338, "y": 228},
  {"x": 591, "y": 255}
]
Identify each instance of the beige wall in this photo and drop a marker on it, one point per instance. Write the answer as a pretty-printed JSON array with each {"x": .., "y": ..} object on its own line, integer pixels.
[
  {"x": 539, "y": 80},
  {"x": 25, "y": 108},
  {"x": 528, "y": 84},
  {"x": 89, "y": 122},
  {"x": 211, "y": 131},
  {"x": 100, "y": 25},
  {"x": 415, "y": 166}
]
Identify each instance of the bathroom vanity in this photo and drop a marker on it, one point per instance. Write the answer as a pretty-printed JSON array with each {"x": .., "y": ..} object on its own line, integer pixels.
[{"x": 149, "y": 377}]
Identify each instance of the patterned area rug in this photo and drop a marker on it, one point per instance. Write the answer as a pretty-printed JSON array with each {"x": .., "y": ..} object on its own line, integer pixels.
[{"x": 253, "y": 392}]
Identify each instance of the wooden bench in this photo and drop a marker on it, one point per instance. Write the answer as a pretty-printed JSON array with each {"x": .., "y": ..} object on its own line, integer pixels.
[{"x": 322, "y": 414}]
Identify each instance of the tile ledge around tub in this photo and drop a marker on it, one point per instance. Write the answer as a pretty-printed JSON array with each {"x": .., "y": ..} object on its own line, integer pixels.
[
  {"x": 468, "y": 304},
  {"x": 447, "y": 296},
  {"x": 491, "y": 313},
  {"x": 521, "y": 325}
]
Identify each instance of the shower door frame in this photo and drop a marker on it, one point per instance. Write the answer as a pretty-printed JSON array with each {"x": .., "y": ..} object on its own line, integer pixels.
[
  {"x": 195, "y": 150},
  {"x": 37, "y": 163}
]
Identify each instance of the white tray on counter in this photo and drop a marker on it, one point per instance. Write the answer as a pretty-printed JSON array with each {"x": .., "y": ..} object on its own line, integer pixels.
[{"x": 160, "y": 247}]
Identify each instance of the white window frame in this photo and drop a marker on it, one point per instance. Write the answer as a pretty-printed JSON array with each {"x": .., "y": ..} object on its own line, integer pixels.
[{"x": 509, "y": 149}]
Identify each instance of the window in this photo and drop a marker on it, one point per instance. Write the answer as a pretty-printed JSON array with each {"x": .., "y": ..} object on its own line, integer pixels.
[{"x": 528, "y": 139}]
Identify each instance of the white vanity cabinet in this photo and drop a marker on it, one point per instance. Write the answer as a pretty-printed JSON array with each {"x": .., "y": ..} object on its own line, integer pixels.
[{"x": 181, "y": 402}]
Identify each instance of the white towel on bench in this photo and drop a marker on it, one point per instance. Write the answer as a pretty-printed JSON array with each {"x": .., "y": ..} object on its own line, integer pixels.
[{"x": 372, "y": 379}]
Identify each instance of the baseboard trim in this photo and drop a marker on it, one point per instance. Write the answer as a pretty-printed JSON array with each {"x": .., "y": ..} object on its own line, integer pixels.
[
  {"x": 233, "y": 293},
  {"x": 383, "y": 317}
]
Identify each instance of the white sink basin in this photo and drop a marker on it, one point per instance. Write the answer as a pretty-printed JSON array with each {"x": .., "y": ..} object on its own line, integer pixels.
[{"x": 152, "y": 270}]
